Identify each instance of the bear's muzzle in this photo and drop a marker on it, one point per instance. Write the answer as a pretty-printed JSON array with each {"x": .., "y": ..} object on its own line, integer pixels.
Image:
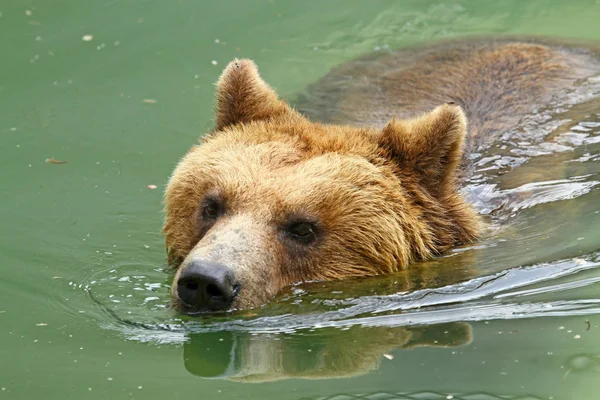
[{"x": 205, "y": 286}]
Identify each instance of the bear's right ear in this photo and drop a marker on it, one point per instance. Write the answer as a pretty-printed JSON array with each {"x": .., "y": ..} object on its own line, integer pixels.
[{"x": 242, "y": 96}]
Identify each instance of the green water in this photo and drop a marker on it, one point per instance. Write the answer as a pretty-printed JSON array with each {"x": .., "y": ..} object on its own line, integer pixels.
[{"x": 83, "y": 294}]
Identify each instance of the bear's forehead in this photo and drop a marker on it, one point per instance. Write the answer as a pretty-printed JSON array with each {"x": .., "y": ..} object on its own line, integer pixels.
[
  {"x": 303, "y": 140},
  {"x": 279, "y": 162},
  {"x": 279, "y": 172}
]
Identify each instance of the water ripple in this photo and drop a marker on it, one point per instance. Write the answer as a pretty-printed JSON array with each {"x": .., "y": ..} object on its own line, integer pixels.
[{"x": 498, "y": 296}]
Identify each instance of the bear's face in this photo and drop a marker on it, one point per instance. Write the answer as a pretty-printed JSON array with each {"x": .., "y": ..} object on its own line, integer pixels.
[{"x": 269, "y": 198}]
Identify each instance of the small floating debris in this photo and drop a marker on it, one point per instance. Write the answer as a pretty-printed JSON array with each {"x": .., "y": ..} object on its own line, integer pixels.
[
  {"x": 148, "y": 299},
  {"x": 214, "y": 62},
  {"x": 87, "y": 38},
  {"x": 151, "y": 186},
  {"x": 55, "y": 161},
  {"x": 29, "y": 13},
  {"x": 149, "y": 101}
]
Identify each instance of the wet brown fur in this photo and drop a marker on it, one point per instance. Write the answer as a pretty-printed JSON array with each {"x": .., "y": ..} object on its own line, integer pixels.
[
  {"x": 381, "y": 197},
  {"x": 496, "y": 82}
]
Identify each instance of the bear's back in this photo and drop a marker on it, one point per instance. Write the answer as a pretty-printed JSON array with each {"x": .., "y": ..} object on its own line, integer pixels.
[{"x": 496, "y": 82}]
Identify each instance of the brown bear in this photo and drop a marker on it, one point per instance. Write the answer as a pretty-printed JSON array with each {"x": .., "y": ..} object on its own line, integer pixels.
[{"x": 270, "y": 198}]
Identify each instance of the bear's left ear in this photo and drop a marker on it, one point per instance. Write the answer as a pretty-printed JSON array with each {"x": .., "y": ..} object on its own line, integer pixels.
[
  {"x": 242, "y": 96},
  {"x": 431, "y": 146}
]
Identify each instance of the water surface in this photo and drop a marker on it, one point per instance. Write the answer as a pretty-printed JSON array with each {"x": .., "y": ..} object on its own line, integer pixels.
[{"x": 119, "y": 90}]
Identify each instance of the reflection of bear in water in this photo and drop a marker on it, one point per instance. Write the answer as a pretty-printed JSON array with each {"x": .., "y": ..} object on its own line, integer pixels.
[
  {"x": 270, "y": 198},
  {"x": 331, "y": 353}
]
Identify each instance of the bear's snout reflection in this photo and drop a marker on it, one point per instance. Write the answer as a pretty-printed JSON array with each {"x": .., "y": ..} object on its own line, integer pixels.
[{"x": 325, "y": 353}]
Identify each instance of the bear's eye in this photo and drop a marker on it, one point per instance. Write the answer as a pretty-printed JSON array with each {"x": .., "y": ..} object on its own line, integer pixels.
[
  {"x": 302, "y": 231},
  {"x": 212, "y": 208}
]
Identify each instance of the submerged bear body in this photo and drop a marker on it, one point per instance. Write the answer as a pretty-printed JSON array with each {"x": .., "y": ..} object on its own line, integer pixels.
[
  {"x": 497, "y": 82},
  {"x": 271, "y": 198}
]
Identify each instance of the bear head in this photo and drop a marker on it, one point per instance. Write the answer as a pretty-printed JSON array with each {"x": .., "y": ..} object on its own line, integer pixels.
[{"x": 269, "y": 198}]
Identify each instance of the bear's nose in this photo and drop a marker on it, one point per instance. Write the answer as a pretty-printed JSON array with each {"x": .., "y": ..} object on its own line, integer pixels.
[{"x": 207, "y": 286}]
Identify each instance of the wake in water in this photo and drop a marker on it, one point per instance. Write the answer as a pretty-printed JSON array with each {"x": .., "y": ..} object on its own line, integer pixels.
[{"x": 510, "y": 294}]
